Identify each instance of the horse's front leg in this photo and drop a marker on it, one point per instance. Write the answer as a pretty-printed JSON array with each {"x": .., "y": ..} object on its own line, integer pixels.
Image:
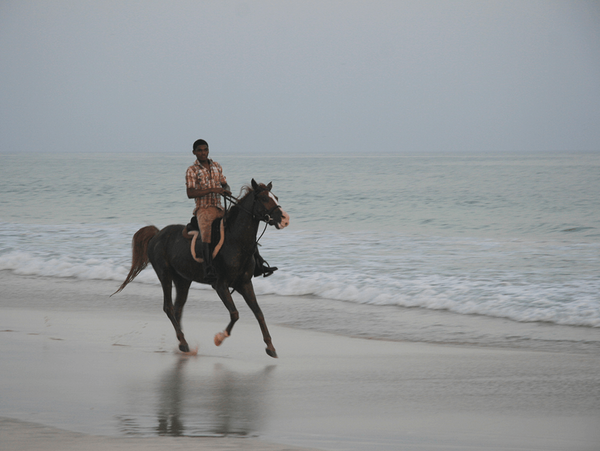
[
  {"x": 247, "y": 291},
  {"x": 223, "y": 292}
]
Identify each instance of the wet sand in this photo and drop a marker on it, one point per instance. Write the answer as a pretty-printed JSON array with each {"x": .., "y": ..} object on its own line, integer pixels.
[
  {"x": 22, "y": 436},
  {"x": 99, "y": 376}
]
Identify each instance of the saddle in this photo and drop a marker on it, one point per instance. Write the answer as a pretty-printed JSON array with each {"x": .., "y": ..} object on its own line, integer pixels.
[{"x": 192, "y": 232}]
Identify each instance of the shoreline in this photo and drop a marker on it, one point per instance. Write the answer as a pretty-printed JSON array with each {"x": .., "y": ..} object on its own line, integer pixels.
[
  {"x": 377, "y": 322},
  {"x": 104, "y": 371}
]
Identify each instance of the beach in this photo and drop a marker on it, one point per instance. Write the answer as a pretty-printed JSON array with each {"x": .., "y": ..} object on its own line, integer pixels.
[{"x": 82, "y": 370}]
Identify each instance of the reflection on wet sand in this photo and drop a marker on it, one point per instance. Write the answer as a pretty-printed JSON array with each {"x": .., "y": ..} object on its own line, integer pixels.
[
  {"x": 217, "y": 401},
  {"x": 170, "y": 400}
]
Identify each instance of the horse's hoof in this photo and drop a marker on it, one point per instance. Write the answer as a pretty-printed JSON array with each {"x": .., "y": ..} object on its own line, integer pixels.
[
  {"x": 271, "y": 352},
  {"x": 220, "y": 337},
  {"x": 184, "y": 348}
]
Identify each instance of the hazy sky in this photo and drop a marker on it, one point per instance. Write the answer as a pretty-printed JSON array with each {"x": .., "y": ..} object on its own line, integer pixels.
[{"x": 308, "y": 76}]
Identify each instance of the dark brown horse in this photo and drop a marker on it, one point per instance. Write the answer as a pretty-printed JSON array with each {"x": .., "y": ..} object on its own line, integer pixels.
[{"x": 170, "y": 255}]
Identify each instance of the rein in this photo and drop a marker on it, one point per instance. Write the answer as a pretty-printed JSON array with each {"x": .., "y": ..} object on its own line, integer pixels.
[{"x": 266, "y": 217}]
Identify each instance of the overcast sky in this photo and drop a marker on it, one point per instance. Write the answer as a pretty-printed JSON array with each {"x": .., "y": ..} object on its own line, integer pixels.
[{"x": 306, "y": 76}]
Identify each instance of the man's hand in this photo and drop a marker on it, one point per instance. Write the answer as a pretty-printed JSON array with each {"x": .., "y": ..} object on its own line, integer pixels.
[
  {"x": 226, "y": 190},
  {"x": 195, "y": 192},
  {"x": 221, "y": 191}
]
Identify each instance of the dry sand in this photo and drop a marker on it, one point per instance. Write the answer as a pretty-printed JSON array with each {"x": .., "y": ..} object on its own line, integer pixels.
[{"x": 101, "y": 378}]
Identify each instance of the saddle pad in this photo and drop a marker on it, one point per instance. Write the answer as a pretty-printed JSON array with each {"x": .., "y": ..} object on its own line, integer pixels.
[{"x": 218, "y": 228}]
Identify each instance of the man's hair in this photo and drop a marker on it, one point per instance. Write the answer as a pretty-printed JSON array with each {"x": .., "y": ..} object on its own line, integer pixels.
[{"x": 199, "y": 142}]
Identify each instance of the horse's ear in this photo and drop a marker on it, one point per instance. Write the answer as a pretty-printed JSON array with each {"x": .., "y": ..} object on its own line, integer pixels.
[
  {"x": 269, "y": 186},
  {"x": 254, "y": 185}
]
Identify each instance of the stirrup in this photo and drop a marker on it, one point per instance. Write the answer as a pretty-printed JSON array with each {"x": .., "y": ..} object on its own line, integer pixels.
[{"x": 267, "y": 271}]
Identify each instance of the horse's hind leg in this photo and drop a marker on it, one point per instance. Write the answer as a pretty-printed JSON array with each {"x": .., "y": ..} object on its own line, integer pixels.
[
  {"x": 247, "y": 291},
  {"x": 182, "y": 288},
  {"x": 167, "y": 285}
]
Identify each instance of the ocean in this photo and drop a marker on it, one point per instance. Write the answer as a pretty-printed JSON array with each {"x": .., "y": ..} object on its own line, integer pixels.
[{"x": 507, "y": 241}]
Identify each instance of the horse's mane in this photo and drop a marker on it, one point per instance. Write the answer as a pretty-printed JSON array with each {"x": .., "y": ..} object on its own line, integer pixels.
[
  {"x": 245, "y": 192},
  {"x": 233, "y": 210}
]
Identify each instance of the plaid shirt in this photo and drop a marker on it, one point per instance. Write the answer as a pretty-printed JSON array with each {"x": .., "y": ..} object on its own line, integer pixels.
[{"x": 197, "y": 176}]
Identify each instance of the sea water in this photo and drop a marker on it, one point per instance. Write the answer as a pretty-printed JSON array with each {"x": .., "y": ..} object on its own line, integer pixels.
[{"x": 499, "y": 235}]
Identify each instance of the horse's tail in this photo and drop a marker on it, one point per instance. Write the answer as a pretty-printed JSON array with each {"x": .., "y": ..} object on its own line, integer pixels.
[{"x": 139, "y": 246}]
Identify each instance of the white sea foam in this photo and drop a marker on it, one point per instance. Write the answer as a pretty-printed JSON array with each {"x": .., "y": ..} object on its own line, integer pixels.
[{"x": 519, "y": 304}]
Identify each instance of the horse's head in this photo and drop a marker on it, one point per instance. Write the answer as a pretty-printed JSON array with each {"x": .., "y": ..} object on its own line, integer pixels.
[{"x": 267, "y": 208}]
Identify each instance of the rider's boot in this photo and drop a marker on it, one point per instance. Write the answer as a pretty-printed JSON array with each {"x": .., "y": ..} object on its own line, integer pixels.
[
  {"x": 261, "y": 267},
  {"x": 209, "y": 271}
]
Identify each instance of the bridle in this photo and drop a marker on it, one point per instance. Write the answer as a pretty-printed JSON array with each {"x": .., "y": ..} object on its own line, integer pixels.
[{"x": 262, "y": 216}]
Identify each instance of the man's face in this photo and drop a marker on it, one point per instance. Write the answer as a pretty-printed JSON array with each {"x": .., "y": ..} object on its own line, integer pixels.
[{"x": 201, "y": 153}]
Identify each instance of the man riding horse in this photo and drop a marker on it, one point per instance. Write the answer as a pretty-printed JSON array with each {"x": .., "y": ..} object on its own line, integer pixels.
[{"x": 205, "y": 182}]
